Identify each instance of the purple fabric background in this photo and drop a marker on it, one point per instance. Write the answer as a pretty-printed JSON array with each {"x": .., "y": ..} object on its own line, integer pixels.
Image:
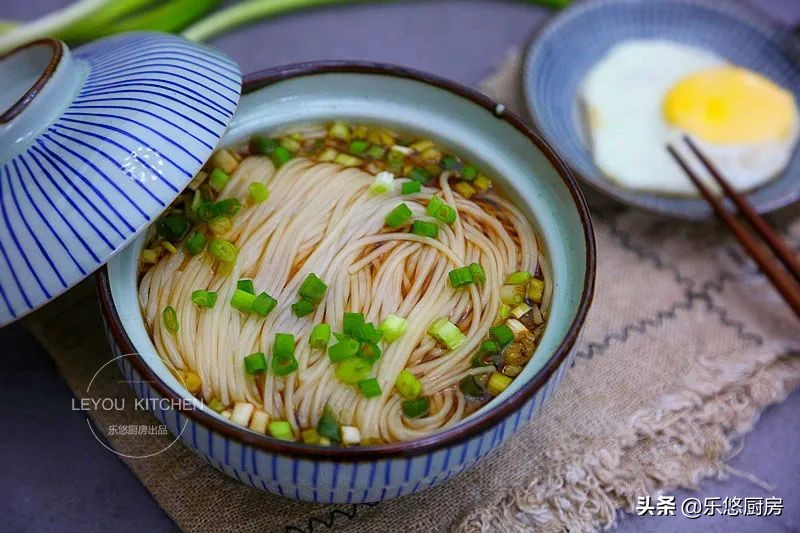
[{"x": 55, "y": 476}]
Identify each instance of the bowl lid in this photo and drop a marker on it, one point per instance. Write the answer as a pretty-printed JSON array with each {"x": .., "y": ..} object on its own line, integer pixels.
[{"x": 94, "y": 145}]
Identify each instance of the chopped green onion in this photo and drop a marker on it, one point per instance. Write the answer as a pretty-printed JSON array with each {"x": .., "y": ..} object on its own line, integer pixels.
[
  {"x": 280, "y": 429},
  {"x": 168, "y": 246},
  {"x": 351, "y": 322},
  {"x": 344, "y": 349},
  {"x": 489, "y": 346},
  {"x": 284, "y": 364},
  {"x": 446, "y": 214},
  {"x": 518, "y": 278},
  {"x": 447, "y": 333},
  {"x": 520, "y": 310},
  {"x": 255, "y": 363},
  {"x": 465, "y": 189},
  {"x": 223, "y": 250},
  {"x": 478, "y": 274},
  {"x": 358, "y": 146},
  {"x": 258, "y": 192},
  {"x": 280, "y": 156},
  {"x": 149, "y": 256},
  {"x": 310, "y": 436},
  {"x": 320, "y": 336},
  {"x": 218, "y": 179},
  {"x": 284, "y": 344},
  {"x": 393, "y": 327},
  {"x": 460, "y": 277},
  {"x": 376, "y": 152},
  {"x": 433, "y": 205},
  {"x": 535, "y": 290},
  {"x": 242, "y": 300},
  {"x": 290, "y": 144},
  {"x": 479, "y": 360},
  {"x": 411, "y": 187},
  {"x": 172, "y": 227},
  {"x": 328, "y": 426},
  {"x": 449, "y": 162},
  {"x": 369, "y": 387},
  {"x": 425, "y": 229},
  {"x": 367, "y": 332},
  {"x": 482, "y": 183},
  {"x": 263, "y": 304},
  {"x": 312, "y": 288},
  {"x": 228, "y": 207},
  {"x": 504, "y": 312},
  {"x": 420, "y": 174},
  {"x": 170, "y": 317},
  {"x": 416, "y": 408},
  {"x": 369, "y": 351},
  {"x": 246, "y": 285},
  {"x": 340, "y": 130},
  {"x": 216, "y": 405},
  {"x": 512, "y": 294},
  {"x": 398, "y": 216},
  {"x": 195, "y": 243},
  {"x": 502, "y": 334},
  {"x": 408, "y": 385},
  {"x": 497, "y": 383},
  {"x": 220, "y": 225},
  {"x": 352, "y": 370},
  {"x": 469, "y": 173},
  {"x": 384, "y": 182},
  {"x": 470, "y": 387},
  {"x": 205, "y": 299},
  {"x": 302, "y": 308},
  {"x": 347, "y": 160},
  {"x": 263, "y": 145},
  {"x": 395, "y": 158}
]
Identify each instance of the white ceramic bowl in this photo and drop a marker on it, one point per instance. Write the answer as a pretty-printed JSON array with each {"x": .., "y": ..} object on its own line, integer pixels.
[{"x": 471, "y": 124}]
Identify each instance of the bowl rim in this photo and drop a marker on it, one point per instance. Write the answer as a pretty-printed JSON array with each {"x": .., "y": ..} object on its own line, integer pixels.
[
  {"x": 659, "y": 204},
  {"x": 448, "y": 437}
]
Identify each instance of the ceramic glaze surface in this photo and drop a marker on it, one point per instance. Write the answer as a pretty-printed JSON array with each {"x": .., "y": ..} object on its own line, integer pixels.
[
  {"x": 565, "y": 49},
  {"x": 112, "y": 137}
]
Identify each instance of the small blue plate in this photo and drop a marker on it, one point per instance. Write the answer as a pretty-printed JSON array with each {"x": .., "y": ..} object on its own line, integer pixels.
[{"x": 565, "y": 48}]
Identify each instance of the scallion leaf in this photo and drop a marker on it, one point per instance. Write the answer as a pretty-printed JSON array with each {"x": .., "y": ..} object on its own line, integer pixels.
[
  {"x": 320, "y": 336},
  {"x": 369, "y": 387},
  {"x": 416, "y": 408},
  {"x": 398, "y": 216},
  {"x": 255, "y": 363}
]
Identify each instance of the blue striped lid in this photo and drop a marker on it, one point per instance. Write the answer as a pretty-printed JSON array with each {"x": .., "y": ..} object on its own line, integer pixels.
[{"x": 94, "y": 145}]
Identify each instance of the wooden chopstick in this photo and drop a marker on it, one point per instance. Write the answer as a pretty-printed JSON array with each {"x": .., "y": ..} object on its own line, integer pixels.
[{"x": 784, "y": 280}]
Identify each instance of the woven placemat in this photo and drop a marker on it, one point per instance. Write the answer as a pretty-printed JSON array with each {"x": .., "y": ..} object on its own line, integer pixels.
[{"x": 685, "y": 345}]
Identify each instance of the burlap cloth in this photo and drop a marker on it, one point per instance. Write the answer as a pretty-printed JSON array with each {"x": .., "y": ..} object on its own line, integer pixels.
[{"x": 685, "y": 345}]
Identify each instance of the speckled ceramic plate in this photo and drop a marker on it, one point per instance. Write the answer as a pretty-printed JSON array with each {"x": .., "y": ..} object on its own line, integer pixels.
[{"x": 566, "y": 47}]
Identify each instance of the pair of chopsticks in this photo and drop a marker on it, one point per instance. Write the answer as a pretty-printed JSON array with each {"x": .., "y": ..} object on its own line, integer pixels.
[{"x": 784, "y": 273}]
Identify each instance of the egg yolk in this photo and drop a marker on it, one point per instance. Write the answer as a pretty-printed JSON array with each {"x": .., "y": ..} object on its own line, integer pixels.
[{"x": 729, "y": 105}]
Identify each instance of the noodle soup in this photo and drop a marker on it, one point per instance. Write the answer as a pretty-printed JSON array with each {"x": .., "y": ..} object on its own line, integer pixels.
[{"x": 343, "y": 284}]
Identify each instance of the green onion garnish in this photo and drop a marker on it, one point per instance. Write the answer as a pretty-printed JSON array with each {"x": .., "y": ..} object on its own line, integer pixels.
[
  {"x": 320, "y": 336},
  {"x": 384, "y": 182},
  {"x": 479, "y": 360},
  {"x": 312, "y": 288},
  {"x": 284, "y": 344},
  {"x": 302, "y": 308},
  {"x": 284, "y": 364},
  {"x": 408, "y": 385},
  {"x": 223, "y": 250},
  {"x": 376, "y": 152},
  {"x": 478, "y": 274},
  {"x": 263, "y": 304},
  {"x": 398, "y": 216},
  {"x": 395, "y": 158},
  {"x": 446, "y": 214},
  {"x": 425, "y": 229},
  {"x": 352, "y": 321},
  {"x": 328, "y": 426},
  {"x": 344, "y": 349},
  {"x": 369, "y": 387},
  {"x": 482, "y": 183},
  {"x": 280, "y": 156},
  {"x": 447, "y": 333},
  {"x": 502, "y": 334},
  {"x": 172, "y": 227},
  {"x": 433, "y": 205},
  {"x": 258, "y": 192},
  {"x": 246, "y": 285},
  {"x": 170, "y": 317},
  {"x": 369, "y": 351},
  {"x": 205, "y": 299},
  {"x": 416, "y": 408},
  {"x": 470, "y": 387},
  {"x": 280, "y": 429},
  {"x": 393, "y": 327},
  {"x": 195, "y": 243},
  {"x": 367, "y": 332},
  {"x": 352, "y": 370},
  {"x": 518, "y": 278},
  {"x": 460, "y": 277},
  {"x": 358, "y": 147},
  {"x": 536, "y": 290},
  {"x": 497, "y": 383},
  {"x": 340, "y": 130},
  {"x": 504, "y": 312},
  {"x": 411, "y": 187},
  {"x": 263, "y": 145},
  {"x": 310, "y": 436},
  {"x": 218, "y": 179},
  {"x": 220, "y": 225},
  {"x": 255, "y": 363},
  {"x": 469, "y": 173},
  {"x": 242, "y": 300},
  {"x": 449, "y": 162},
  {"x": 227, "y": 207},
  {"x": 420, "y": 174},
  {"x": 489, "y": 346}
]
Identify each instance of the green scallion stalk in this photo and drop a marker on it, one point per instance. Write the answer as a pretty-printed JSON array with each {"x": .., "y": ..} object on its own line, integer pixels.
[
  {"x": 411, "y": 187},
  {"x": 370, "y": 387},
  {"x": 416, "y": 408},
  {"x": 204, "y": 298},
  {"x": 242, "y": 300},
  {"x": 358, "y": 146},
  {"x": 369, "y": 351},
  {"x": 312, "y": 289},
  {"x": 420, "y": 174},
  {"x": 328, "y": 425},
  {"x": 367, "y": 332},
  {"x": 258, "y": 192},
  {"x": 263, "y": 304},
  {"x": 449, "y": 162},
  {"x": 393, "y": 327},
  {"x": 246, "y": 285},
  {"x": 320, "y": 336},
  {"x": 489, "y": 346},
  {"x": 223, "y": 250},
  {"x": 170, "y": 317},
  {"x": 255, "y": 363},
  {"x": 502, "y": 334},
  {"x": 263, "y": 145},
  {"x": 425, "y": 229},
  {"x": 478, "y": 274},
  {"x": 172, "y": 227},
  {"x": 398, "y": 216},
  {"x": 351, "y": 322},
  {"x": 280, "y": 429},
  {"x": 518, "y": 278},
  {"x": 460, "y": 277},
  {"x": 447, "y": 333},
  {"x": 280, "y": 156},
  {"x": 302, "y": 308},
  {"x": 218, "y": 179},
  {"x": 284, "y": 344},
  {"x": 470, "y": 387},
  {"x": 352, "y": 370},
  {"x": 220, "y": 226},
  {"x": 195, "y": 243},
  {"x": 433, "y": 205},
  {"x": 408, "y": 385},
  {"x": 284, "y": 364},
  {"x": 344, "y": 349},
  {"x": 497, "y": 383},
  {"x": 446, "y": 214},
  {"x": 469, "y": 173}
]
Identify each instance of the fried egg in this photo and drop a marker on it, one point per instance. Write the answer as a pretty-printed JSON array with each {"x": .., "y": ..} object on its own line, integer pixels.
[{"x": 646, "y": 93}]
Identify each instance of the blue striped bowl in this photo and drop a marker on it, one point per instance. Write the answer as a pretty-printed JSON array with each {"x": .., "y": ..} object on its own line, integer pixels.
[
  {"x": 567, "y": 46},
  {"x": 530, "y": 172},
  {"x": 94, "y": 145}
]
